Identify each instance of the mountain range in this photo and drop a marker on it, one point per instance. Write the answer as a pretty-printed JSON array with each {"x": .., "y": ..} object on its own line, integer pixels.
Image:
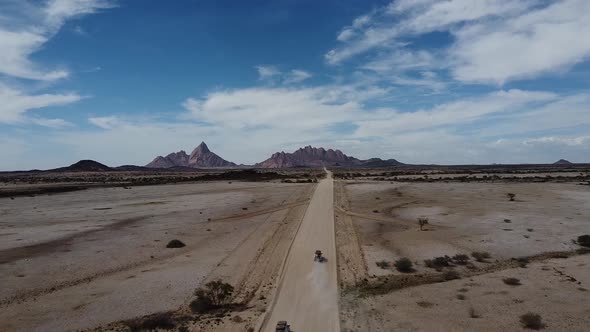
[
  {"x": 309, "y": 156},
  {"x": 201, "y": 157}
]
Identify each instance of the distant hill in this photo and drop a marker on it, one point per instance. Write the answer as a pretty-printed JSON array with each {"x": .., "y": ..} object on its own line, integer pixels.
[
  {"x": 317, "y": 157},
  {"x": 378, "y": 162},
  {"x": 563, "y": 162},
  {"x": 201, "y": 157},
  {"x": 131, "y": 168},
  {"x": 84, "y": 166}
]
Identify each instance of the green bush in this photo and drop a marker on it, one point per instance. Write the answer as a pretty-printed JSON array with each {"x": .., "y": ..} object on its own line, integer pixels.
[
  {"x": 532, "y": 321},
  {"x": 584, "y": 240},
  {"x": 422, "y": 221},
  {"x": 383, "y": 264},
  {"x": 512, "y": 281},
  {"x": 175, "y": 244},
  {"x": 480, "y": 256},
  {"x": 438, "y": 262},
  {"x": 404, "y": 265},
  {"x": 451, "y": 275},
  {"x": 162, "y": 321},
  {"x": 461, "y": 259},
  {"x": 214, "y": 295}
]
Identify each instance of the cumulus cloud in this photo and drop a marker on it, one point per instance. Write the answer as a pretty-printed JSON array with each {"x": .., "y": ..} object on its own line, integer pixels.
[
  {"x": 296, "y": 76},
  {"x": 269, "y": 119},
  {"x": 28, "y": 28},
  {"x": 15, "y": 104},
  {"x": 493, "y": 41},
  {"x": 273, "y": 75},
  {"x": 553, "y": 140},
  {"x": 105, "y": 122},
  {"x": 20, "y": 38},
  {"x": 266, "y": 72}
]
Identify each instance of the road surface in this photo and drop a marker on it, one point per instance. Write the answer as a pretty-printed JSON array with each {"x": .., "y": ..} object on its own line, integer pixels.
[{"x": 307, "y": 294}]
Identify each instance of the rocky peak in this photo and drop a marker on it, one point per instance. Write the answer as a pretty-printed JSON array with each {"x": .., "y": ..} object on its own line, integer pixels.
[
  {"x": 200, "y": 157},
  {"x": 201, "y": 149}
]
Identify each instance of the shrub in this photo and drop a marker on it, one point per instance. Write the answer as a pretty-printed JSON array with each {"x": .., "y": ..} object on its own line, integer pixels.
[
  {"x": 511, "y": 196},
  {"x": 404, "y": 265},
  {"x": 473, "y": 313},
  {"x": 451, "y": 275},
  {"x": 461, "y": 297},
  {"x": 532, "y": 321},
  {"x": 214, "y": 295},
  {"x": 422, "y": 221},
  {"x": 438, "y": 263},
  {"x": 175, "y": 244},
  {"x": 162, "y": 321},
  {"x": 584, "y": 240},
  {"x": 383, "y": 264},
  {"x": 461, "y": 259},
  {"x": 522, "y": 261},
  {"x": 480, "y": 256},
  {"x": 512, "y": 281},
  {"x": 424, "y": 304}
]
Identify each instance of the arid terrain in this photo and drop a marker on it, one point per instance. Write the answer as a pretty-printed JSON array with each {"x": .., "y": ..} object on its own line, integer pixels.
[
  {"x": 87, "y": 258},
  {"x": 90, "y": 252},
  {"x": 529, "y": 238}
]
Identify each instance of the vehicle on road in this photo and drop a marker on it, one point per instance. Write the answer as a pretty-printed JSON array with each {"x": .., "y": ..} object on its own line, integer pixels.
[
  {"x": 282, "y": 326},
  {"x": 318, "y": 256}
]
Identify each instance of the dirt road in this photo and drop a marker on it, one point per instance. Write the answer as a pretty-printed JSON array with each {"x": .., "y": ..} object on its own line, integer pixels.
[{"x": 307, "y": 295}]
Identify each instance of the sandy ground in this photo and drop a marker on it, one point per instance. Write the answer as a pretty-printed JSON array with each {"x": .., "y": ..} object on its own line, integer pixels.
[
  {"x": 376, "y": 221},
  {"x": 307, "y": 295},
  {"x": 466, "y": 217},
  {"x": 564, "y": 305},
  {"x": 83, "y": 259}
]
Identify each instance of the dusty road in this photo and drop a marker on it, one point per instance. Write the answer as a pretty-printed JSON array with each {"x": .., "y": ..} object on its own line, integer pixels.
[{"x": 307, "y": 295}]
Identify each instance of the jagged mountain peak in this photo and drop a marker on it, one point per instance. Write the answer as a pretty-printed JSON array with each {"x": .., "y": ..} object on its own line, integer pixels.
[
  {"x": 200, "y": 157},
  {"x": 201, "y": 149}
]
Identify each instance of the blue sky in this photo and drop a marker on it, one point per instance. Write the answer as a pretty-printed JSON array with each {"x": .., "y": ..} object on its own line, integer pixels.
[{"x": 422, "y": 81}]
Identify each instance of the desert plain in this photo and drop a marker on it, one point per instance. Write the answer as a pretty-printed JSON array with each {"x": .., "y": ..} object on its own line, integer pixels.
[{"x": 95, "y": 257}]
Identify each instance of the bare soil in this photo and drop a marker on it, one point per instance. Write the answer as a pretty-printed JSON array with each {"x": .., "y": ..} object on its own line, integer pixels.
[
  {"x": 85, "y": 259},
  {"x": 377, "y": 221}
]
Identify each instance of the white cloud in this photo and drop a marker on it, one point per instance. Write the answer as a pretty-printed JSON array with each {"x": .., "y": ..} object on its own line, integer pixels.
[
  {"x": 105, "y": 122},
  {"x": 15, "y": 104},
  {"x": 540, "y": 41},
  {"x": 247, "y": 125},
  {"x": 267, "y": 72},
  {"x": 52, "y": 123},
  {"x": 454, "y": 114},
  {"x": 273, "y": 75},
  {"x": 36, "y": 25},
  {"x": 297, "y": 76},
  {"x": 495, "y": 41},
  {"x": 553, "y": 140},
  {"x": 79, "y": 30},
  {"x": 14, "y": 58}
]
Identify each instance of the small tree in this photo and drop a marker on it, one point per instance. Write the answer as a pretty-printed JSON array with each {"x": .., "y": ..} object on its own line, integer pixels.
[
  {"x": 404, "y": 265},
  {"x": 480, "y": 256},
  {"x": 584, "y": 240},
  {"x": 215, "y": 294},
  {"x": 422, "y": 221},
  {"x": 461, "y": 259},
  {"x": 512, "y": 281},
  {"x": 511, "y": 196},
  {"x": 532, "y": 321}
]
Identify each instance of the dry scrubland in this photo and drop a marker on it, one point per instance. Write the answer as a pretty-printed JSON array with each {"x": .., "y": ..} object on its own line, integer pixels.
[
  {"x": 88, "y": 251},
  {"x": 84, "y": 259},
  {"x": 528, "y": 239}
]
